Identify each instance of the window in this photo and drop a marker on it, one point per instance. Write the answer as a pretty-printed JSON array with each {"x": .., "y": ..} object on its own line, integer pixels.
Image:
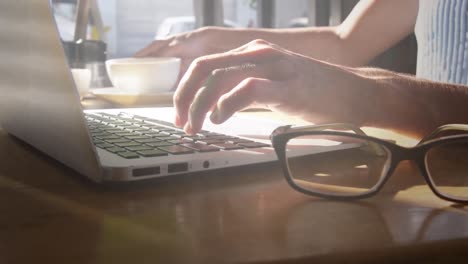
[{"x": 131, "y": 24}]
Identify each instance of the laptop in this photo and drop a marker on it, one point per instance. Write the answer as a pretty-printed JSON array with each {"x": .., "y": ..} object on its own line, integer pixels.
[{"x": 39, "y": 104}]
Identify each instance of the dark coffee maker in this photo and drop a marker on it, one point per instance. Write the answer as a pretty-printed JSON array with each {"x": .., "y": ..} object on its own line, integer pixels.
[{"x": 92, "y": 55}]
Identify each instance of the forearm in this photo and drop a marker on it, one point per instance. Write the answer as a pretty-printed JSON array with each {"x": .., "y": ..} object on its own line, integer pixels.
[
  {"x": 321, "y": 43},
  {"x": 353, "y": 43},
  {"x": 411, "y": 105}
]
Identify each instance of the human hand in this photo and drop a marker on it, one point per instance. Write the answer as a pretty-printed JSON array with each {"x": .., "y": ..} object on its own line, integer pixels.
[
  {"x": 263, "y": 74},
  {"x": 190, "y": 45}
]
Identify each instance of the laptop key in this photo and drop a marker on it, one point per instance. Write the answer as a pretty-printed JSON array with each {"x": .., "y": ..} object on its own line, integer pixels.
[
  {"x": 161, "y": 128},
  {"x": 115, "y": 149},
  {"x": 137, "y": 137},
  {"x": 176, "y": 150},
  {"x": 97, "y": 141},
  {"x": 152, "y": 153},
  {"x": 208, "y": 133},
  {"x": 165, "y": 137},
  {"x": 239, "y": 140},
  {"x": 101, "y": 134},
  {"x": 210, "y": 141},
  {"x": 132, "y": 127},
  {"x": 227, "y": 146},
  {"x": 178, "y": 132},
  {"x": 118, "y": 140},
  {"x": 175, "y": 136},
  {"x": 141, "y": 129},
  {"x": 194, "y": 137},
  {"x": 104, "y": 145},
  {"x": 108, "y": 137},
  {"x": 128, "y": 144},
  {"x": 138, "y": 148},
  {"x": 118, "y": 123},
  {"x": 128, "y": 155},
  {"x": 220, "y": 137},
  {"x": 151, "y": 126},
  {"x": 114, "y": 130},
  {"x": 148, "y": 140},
  {"x": 139, "y": 123},
  {"x": 179, "y": 141},
  {"x": 201, "y": 147},
  {"x": 166, "y": 133},
  {"x": 125, "y": 119},
  {"x": 159, "y": 144},
  {"x": 253, "y": 145},
  {"x": 151, "y": 133},
  {"x": 125, "y": 134},
  {"x": 104, "y": 114},
  {"x": 158, "y": 128},
  {"x": 125, "y": 125},
  {"x": 172, "y": 132}
]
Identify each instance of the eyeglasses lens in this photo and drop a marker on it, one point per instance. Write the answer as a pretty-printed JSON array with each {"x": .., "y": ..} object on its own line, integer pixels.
[
  {"x": 447, "y": 166},
  {"x": 336, "y": 165}
]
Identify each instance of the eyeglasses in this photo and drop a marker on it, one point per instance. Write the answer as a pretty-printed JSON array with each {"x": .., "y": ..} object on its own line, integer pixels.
[{"x": 339, "y": 161}]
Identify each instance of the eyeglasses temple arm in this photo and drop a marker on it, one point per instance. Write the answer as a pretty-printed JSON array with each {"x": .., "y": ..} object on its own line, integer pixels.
[
  {"x": 433, "y": 134},
  {"x": 342, "y": 126}
]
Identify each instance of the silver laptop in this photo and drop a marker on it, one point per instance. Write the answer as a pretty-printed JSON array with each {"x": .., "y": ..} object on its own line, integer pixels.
[{"x": 39, "y": 104}]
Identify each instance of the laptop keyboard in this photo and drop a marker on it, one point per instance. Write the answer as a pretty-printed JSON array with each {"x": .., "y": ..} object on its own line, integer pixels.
[{"x": 133, "y": 136}]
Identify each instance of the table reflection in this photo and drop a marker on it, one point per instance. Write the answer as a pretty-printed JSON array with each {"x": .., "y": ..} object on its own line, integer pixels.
[{"x": 241, "y": 214}]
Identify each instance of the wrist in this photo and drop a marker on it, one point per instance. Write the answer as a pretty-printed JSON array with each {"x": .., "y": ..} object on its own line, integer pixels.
[
  {"x": 399, "y": 103},
  {"x": 366, "y": 95},
  {"x": 341, "y": 95}
]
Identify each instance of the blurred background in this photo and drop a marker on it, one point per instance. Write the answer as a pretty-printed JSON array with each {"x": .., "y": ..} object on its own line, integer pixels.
[{"x": 129, "y": 25}]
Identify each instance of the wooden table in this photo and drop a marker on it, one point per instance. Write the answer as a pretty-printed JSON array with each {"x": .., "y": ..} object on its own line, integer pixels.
[{"x": 50, "y": 214}]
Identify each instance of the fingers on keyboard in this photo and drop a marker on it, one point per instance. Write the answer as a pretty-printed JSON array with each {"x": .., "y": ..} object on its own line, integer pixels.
[{"x": 135, "y": 136}]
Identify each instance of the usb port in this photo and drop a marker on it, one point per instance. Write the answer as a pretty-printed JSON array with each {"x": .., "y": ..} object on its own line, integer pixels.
[
  {"x": 177, "y": 167},
  {"x": 146, "y": 171}
]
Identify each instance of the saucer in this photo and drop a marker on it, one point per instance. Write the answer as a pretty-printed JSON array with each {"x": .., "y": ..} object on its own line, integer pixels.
[{"x": 133, "y": 98}]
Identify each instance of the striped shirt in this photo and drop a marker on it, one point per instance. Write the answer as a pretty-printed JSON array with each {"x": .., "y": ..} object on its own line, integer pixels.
[{"x": 442, "y": 35}]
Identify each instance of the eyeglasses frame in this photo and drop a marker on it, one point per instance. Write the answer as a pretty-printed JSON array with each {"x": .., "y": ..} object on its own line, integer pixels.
[{"x": 417, "y": 154}]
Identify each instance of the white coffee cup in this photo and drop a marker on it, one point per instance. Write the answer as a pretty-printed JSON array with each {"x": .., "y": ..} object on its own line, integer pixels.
[
  {"x": 144, "y": 75},
  {"x": 82, "y": 79}
]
